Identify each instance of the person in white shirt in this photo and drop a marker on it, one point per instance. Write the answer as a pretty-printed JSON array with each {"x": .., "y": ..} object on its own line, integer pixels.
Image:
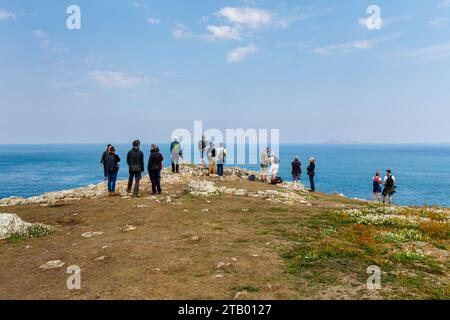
[
  {"x": 389, "y": 186},
  {"x": 274, "y": 166},
  {"x": 221, "y": 156}
]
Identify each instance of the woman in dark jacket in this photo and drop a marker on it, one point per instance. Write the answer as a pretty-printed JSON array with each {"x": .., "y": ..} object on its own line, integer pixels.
[
  {"x": 154, "y": 168},
  {"x": 296, "y": 170},
  {"x": 311, "y": 173},
  {"x": 111, "y": 164}
]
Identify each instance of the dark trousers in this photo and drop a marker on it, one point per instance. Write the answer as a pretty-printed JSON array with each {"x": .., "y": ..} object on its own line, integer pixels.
[
  {"x": 311, "y": 180},
  {"x": 112, "y": 178},
  {"x": 220, "y": 169},
  {"x": 175, "y": 168},
  {"x": 134, "y": 176},
  {"x": 105, "y": 172},
  {"x": 155, "y": 178}
]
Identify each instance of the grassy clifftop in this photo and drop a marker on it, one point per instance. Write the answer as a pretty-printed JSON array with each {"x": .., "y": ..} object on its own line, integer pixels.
[{"x": 227, "y": 238}]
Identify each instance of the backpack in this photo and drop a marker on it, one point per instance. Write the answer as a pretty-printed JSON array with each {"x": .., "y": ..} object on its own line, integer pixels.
[
  {"x": 252, "y": 177},
  {"x": 389, "y": 182},
  {"x": 110, "y": 163}
]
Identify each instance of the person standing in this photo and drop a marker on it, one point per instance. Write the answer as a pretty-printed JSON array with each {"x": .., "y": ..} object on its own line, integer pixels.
[
  {"x": 102, "y": 161},
  {"x": 135, "y": 161},
  {"x": 311, "y": 173},
  {"x": 202, "y": 147},
  {"x": 175, "y": 150},
  {"x": 376, "y": 183},
  {"x": 155, "y": 163},
  {"x": 274, "y": 167},
  {"x": 389, "y": 186},
  {"x": 264, "y": 161},
  {"x": 221, "y": 157},
  {"x": 111, "y": 164},
  {"x": 296, "y": 170},
  {"x": 212, "y": 159}
]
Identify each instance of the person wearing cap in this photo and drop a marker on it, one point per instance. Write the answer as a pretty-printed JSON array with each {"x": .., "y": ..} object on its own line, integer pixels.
[
  {"x": 389, "y": 186},
  {"x": 376, "y": 182},
  {"x": 175, "y": 151},
  {"x": 211, "y": 153},
  {"x": 311, "y": 170},
  {"x": 135, "y": 161}
]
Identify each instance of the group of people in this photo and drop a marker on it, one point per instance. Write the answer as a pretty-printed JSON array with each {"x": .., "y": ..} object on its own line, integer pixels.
[
  {"x": 389, "y": 186},
  {"x": 216, "y": 159},
  {"x": 135, "y": 161},
  {"x": 270, "y": 159},
  {"x": 216, "y": 156}
]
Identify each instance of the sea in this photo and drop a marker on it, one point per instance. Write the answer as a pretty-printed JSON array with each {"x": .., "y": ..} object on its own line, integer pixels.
[{"x": 422, "y": 171}]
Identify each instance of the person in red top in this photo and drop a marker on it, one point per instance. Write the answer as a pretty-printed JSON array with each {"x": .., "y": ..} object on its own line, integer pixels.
[{"x": 377, "y": 186}]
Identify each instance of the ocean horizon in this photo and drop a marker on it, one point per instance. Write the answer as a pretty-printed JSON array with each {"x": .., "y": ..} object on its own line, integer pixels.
[{"x": 421, "y": 170}]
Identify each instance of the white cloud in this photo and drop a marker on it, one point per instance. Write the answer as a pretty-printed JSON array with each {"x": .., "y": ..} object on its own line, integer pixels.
[
  {"x": 444, "y": 4},
  {"x": 6, "y": 15},
  {"x": 151, "y": 20},
  {"x": 388, "y": 21},
  {"x": 363, "y": 44},
  {"x": 53, "y": 47},
  {"x": 251, "y": 17},
  {"x": 114, "y": 79},
  {"x": 240, "y": 53},
  {"x": 222, "y": 33},
  {"x": 344, "y": 47},
  {"x": 83, "y": 94},
  {"x": 139, "y": 4},
  {"x": 438, "y": 22},
  {"x": 429, "y": 53},
  {"x": 39, "y": 33},
  {"x": 181, "y": 32}
]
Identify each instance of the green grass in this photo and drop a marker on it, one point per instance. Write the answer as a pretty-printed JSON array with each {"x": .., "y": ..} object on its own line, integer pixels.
[
  {"x": 15, "y": 238},
  {"x": 247, "y": 288}
]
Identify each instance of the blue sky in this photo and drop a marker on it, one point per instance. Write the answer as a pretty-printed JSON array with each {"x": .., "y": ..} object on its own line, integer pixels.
[{"x": 143, "y": 68}]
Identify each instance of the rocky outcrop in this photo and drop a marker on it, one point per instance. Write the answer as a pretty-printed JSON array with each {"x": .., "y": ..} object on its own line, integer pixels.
[
  {"x": 188, "y": 172},
  {"x": 209, "y": 188},
  {"x": 11, "y": 224}
]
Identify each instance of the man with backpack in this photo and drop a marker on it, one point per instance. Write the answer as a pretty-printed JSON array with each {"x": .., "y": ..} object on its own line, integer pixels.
[
  {"x": 389, "y": 186},
  {"x": 221, "y": 156},
  {"x": 111, "y": 163},
  {"x": 176, "y": 153},
  {"x": 135, "y": 161}
]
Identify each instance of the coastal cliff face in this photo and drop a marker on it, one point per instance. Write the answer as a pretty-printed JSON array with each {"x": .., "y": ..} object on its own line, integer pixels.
[{"x": 220, "y": 238}]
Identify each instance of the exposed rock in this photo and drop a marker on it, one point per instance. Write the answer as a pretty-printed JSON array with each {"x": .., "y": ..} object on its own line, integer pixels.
[
  {"x": 201, "y": 188},
  {"x": 101, "y": 258},
  {"x": 240, "y": 293},
  {"x": 91, "y": 234},
  {"x": 10, "y": 224},
  {"x": 129, "y": 228},
  {"x": 52, "y": 265}
]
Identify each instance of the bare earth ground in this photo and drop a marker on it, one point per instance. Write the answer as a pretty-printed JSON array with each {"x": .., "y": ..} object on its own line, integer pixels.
[{"x": 241, "y": 244}]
